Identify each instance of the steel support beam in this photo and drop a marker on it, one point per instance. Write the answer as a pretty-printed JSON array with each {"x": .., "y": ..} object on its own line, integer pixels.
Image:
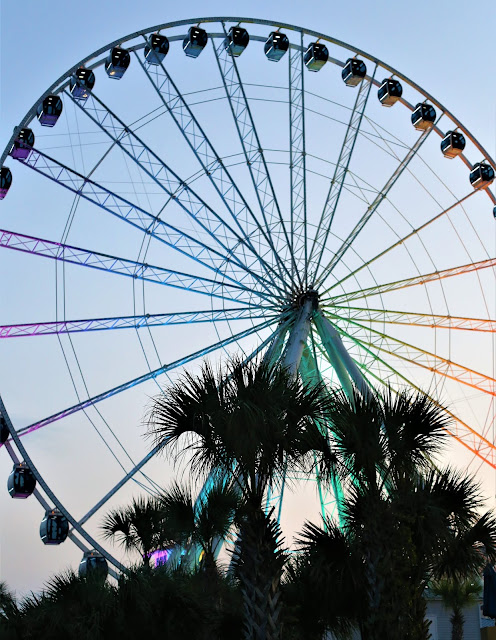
[
  {"x": 340, "y": 359},
  {"x": 151, "y": 375},
  {"x": 213, "y": 166},
  {"x": 372, "y": 208},
  {"x": 139, "y": 218},
  {"x": 297, "y": 158},
  {"x": 339, "y": 176},
  {"x": 177, "y": 189},
  {"x": 253, "y": 151},
  {"x": 128, "y": 322}
]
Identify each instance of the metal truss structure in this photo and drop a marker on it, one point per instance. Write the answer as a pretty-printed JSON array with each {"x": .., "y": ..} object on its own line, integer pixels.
[{"x": 324, "y": 238}]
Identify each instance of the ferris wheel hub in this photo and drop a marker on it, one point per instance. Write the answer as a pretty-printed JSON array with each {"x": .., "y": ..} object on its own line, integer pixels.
[{"x": 309, "y": 294}]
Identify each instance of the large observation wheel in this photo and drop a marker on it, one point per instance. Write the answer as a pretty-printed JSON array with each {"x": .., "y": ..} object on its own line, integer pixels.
[{"x": 230, "y": 199}]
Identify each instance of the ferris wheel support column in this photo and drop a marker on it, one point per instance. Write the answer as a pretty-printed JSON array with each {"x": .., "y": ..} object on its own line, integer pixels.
[
  {"x": 298, "y": 337},
  {"x": 273, "y": 353},
  {"x": 340, "y": 359},
  {"x": 330, "y": 497},
  {"x": 291, "y": 360}
]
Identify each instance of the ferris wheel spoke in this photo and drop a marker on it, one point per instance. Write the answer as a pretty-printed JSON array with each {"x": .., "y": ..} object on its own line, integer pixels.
[
  {"x": 131, "y": 322},
  {"x": 123, "y": 267},
  {"x": 435, "y": 321},
  {"x": 372, "y": 208},
  {"x": 212, "y": 164},
  {"x": 411, "y": 282},
  {"x": 151, "y": 375},
  {"x": 475, "y": 442},
  {"x": 297, "y": 157},
  {"x": 425, "y": 359},
  {"x": 156, "y": 450},
  {"x": 340, "y": 174},
  {"x": 130, "y": 213},
  {"x": 405, "y": 238},
  {"x": 253, "y": 151},
  {"x": 177, "y": 189}
]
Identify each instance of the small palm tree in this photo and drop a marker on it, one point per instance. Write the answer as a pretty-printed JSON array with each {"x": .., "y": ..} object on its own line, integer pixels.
[
  {"x": 456, "y": 595},
  {"x": 138, "y": 527},
  {"x": 68, "y": 607},
  {"x": 260, "y": 421},
  {"x": 200, "y": 524}
]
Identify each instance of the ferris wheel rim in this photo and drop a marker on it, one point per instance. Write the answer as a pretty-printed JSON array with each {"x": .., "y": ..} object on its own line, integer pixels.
[{"x": 59, "y": 85}]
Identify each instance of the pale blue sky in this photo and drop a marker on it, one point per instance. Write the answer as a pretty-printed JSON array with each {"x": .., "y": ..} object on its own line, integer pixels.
[{"x": 446, "y": 47}]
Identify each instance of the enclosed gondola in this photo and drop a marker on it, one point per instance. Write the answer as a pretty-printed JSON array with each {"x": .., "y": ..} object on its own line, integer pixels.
[
  {"x": 92, "y": 565},
  {"x": 276, "y": 46},
  {"x": 423, "y": 116},
  {"x": 195, "y": 42},
  {"x": 236, "y": 41},
  {"x": 117, "y": 62},
  {"x": 4, "y": 430},
  {"x": 49, "y": 111},
  {"x": 21, "y": 482},
  {"x": 54, "y": 527},
  {"x": 389, "y": 92},
  {"x": 81, "y": 83},
  {"x": 23, "y": 144},
  {"x": 452, "y": 144},
  {"x": 156, "y": 48},
  {"x": 494, "y": 212},
  {"x": 482, "y": 175},
  {"x": 5, "y": 181},
  {"x": 354, "y": 71},
  {"x": 316, "y": 56}
]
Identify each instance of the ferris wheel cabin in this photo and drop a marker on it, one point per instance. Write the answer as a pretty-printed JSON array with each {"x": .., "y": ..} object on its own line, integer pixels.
[
  {"x": 81, "y": 83},
  {"x": 21, "y": 482},
  {"x": 49, "y": 111},
  {"x": 117, "y": 62},
  {"x": 23, "y": 144},
  {"x": 354, "y": 71},
  {"x": 156, "y": 48},
  {"x": 5, "y": 181},
  {"x": 195, "y": 42},
  {"x": 452, "y": 144},
  {"x": 54, "y": 527},
  {"x": 389, "y": 92},
  {"x": 482, "y": 175},
  {"x": 93, "y": 564},
  {"x": 236, "y": 42},
  {"x": 316, "y": 56},
  {"x": 276, "y": 46},
  {"x": 423, "y": 116}
]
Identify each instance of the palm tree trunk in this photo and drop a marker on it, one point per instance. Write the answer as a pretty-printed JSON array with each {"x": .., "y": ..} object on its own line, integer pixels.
[
  {"x": 259, "y": 568},
  {"x": 457, "y": 622}
]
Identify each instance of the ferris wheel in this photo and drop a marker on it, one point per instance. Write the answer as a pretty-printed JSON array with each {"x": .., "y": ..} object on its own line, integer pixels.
[{"x": 242, "y": 187}]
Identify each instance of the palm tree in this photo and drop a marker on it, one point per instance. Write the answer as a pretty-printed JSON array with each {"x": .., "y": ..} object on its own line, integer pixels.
[
  {"x": 261, "y": 422},
  {"x": 456, "y": 595},
  {"x": 323, "y": 590},
  {"x": 403, "y": 520},
  {"x": 203, "y": 524},
  {"x": 68, "y": 607},
  {"x": 9, "y": 613},
  {"x": 138, "y": 527}
]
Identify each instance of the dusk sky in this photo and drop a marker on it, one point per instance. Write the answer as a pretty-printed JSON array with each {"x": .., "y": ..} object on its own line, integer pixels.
[{"x": 447, "y": 48}]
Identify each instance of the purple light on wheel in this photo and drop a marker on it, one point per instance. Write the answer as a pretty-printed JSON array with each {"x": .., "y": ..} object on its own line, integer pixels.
[{"x": 160, "y": 557}]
